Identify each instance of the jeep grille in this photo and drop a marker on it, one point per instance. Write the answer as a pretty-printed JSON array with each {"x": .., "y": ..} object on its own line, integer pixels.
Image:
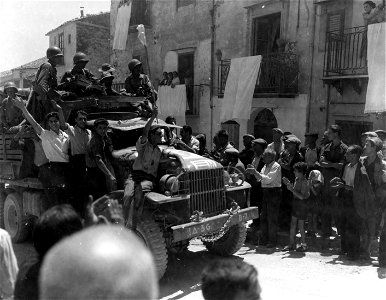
[{"x": 207, "y": 192}]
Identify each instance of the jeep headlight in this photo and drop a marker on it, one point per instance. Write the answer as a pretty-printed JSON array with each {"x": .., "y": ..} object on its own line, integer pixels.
[{"x": 169, "y": 184}]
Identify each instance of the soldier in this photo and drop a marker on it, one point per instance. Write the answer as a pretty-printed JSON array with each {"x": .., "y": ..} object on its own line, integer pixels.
[
  {"x": 107, "y": 78},
  {"x": 138, "y": 84},
  {"x": 39, "y": 104},
  {"x": 80, "y": 80},
  {"x": 11, "y": 116}
]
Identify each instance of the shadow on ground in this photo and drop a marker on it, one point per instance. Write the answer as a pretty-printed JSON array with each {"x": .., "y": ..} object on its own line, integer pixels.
[{"x": 184, "y": 273}]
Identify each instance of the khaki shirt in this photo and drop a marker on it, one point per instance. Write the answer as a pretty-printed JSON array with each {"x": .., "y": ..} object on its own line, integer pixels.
[
  {"x": 148, "y": 158},
  {"x": 79, "y": 139}
]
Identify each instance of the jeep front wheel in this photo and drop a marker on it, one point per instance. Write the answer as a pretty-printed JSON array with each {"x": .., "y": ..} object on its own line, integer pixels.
[
  {"x": 149, "y": 231},
  {"x": 230, "y": 243}
]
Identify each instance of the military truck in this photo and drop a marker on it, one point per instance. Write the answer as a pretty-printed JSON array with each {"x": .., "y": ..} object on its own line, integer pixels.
[{"x": 194, "y": 196}]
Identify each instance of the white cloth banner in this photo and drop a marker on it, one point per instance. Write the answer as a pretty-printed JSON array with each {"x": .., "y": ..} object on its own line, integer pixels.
[
  {"x": 122, "y": 27},
  {"x": 172, "y": 102},
  {"x": 241, "y": 81},
  {"x": 376, "y": 64}
]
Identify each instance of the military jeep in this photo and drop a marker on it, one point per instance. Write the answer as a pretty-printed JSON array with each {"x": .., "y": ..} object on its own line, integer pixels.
[{"x": 194, "y": 198}]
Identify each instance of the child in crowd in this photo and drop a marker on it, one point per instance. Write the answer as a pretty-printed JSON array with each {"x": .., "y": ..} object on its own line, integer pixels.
[
  {"x": 301, "y": 191},
  {"x": 315, "y": 181}
]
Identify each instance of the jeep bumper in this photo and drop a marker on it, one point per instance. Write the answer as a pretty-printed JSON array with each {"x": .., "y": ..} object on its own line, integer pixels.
[{"x": 212, "y": 224}]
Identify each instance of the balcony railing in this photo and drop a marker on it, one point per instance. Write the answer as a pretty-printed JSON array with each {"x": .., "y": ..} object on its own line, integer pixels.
[
  {"x": 278, "y": 75},
  {"x": 346, "y": 52}
]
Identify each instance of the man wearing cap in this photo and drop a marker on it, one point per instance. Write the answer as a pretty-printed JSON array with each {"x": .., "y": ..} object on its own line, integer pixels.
[
  {"x": 376, "y": 170},
  {"x": 332, "y": 158},
  {"x": 382, "y": 135},
  {"x": 277, "y": 145},
  {"x": 258, "y": 146},
  {"x": 10, "y": 115},
  {"x": 137, "y": 83},
  {"x": 288, "y": 158},
  {"x": 55, "y": 143},
  {"x": 246, "y": 155},
  {"x": 80, "y": 80},
  {"x": 144, "y": 170},
  {"x": 45, "y": 81},
  {"x": 366, "y": 135},
  {"x": 100, "y": 173},
  {"x": 107, "y": 78},
  {"x": 310, "y": 152}
]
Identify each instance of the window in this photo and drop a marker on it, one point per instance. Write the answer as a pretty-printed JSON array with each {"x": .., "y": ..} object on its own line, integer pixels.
[
  {"x": 55, "y": 40},
  {"x": 265, "y": 34},
  {"x": 352, "y": 130},
  {"x": 69, "y": 39},
  {"x": 335, "y": 22},
  {"x": 186, "y": 75},
  {"x": 181, "y": 3},
  {"x": 60, "y": 41}
]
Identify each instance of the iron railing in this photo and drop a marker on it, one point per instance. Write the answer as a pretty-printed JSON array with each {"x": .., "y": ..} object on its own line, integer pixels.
[
  {"x": 346, "y": 52},
  {"x": 278, "y": 75}
]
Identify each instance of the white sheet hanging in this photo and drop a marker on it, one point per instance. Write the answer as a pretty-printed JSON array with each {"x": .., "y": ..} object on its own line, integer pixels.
[
  {"x": 376, "y": 64},
  {"x": 241, "y": 81},
  {"x": 172, "y": 102},
  {"x": 122, "y": 27}
]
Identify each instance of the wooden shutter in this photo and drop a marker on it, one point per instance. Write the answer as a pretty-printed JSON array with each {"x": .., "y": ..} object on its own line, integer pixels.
[{"x": 335, "y": 22}]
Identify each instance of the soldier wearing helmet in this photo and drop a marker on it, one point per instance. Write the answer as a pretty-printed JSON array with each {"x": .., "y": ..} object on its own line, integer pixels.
[
  {"x": 9, "y": 114},
  {"x": 80, "y": 80},
  {"x": 138, "y": 84},
  {"x": 46, "y": 79}
]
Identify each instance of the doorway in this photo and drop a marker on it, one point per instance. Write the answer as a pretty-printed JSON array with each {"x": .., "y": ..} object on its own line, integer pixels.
[
  {"x": 186, "y": 75},
  {"x": 264, "y": 122}
]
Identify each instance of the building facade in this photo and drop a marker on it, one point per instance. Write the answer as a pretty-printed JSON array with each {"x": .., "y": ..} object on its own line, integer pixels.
[
  {"x": 199, "y": 38},
  {"x": 89, "y": 34}
]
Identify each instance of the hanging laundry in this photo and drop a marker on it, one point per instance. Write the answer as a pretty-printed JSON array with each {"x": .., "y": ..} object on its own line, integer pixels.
[{"x": 122, "y": 26}]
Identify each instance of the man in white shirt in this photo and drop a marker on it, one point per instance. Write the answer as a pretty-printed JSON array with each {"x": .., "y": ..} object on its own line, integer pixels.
[
  {"x": 277, "y": 145},
  {"x": 55, "y": 143},
  {"x": 270, "y": 177}
]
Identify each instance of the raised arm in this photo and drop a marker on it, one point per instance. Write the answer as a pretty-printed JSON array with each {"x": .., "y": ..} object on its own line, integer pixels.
[
  {"x": 145, "y": 132},
  {"x": 19, "y": 103},
  {"x": 62, "y": 121}
]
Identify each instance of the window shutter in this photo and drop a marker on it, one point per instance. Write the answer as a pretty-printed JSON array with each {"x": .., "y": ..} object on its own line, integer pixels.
[{"x": 336, "y": 22}]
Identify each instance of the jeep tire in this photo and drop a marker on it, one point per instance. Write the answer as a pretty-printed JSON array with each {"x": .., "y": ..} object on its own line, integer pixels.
[
  {"x": 150, "y": 232},
  {"x": 230, "y": 243},
  {"x": 15, "y": 221}
]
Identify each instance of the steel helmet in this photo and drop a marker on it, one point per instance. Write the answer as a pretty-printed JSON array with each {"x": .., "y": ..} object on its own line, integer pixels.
[
  {"x": 54, "y": 52},
  {"x": 133, "y": 63},
  {"x": 10, "y": 85},
  {"x": 80, "y": 57}
]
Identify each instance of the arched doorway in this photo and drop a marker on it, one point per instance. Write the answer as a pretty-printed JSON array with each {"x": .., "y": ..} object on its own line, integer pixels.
[
  {"x": 263, "y": 124},
  {"x": 233, "y": 129}
]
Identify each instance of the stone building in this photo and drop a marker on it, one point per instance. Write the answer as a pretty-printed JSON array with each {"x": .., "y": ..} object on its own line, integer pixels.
[
  {"x": 293, "y": 91},
  {"x": 89, "y": 34}
]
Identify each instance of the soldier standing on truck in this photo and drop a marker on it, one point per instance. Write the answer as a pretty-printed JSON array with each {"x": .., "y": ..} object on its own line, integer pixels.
[
  {"x": 138, "y": 84},
  {"x": 11, "y": 116},
  {"x": 55, "y": 143},
  {"x": 39, "y": 104},
  {"x": 145, "y": 168}
]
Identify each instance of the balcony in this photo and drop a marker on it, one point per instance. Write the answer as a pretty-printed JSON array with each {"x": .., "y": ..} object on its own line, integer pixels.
[
  {"x": 345, "y": 53},
  {"x": 278, "y": 76}
]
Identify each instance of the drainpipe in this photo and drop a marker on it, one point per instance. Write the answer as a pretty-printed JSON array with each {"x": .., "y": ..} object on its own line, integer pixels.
[
  {"x": 212, "y": 66},
  {"x": 311, "y": 70},
  {"x": 328, "y": 104}
]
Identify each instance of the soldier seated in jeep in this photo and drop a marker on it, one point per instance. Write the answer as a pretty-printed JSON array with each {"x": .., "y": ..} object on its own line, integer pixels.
[{"x": 145, "y": 167}]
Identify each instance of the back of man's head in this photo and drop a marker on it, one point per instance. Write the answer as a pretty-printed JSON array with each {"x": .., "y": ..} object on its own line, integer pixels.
[
  {"x": 54, "y": 224},
  {"x": 101, "y": 262},
  {"x": 230, "y": 280}
]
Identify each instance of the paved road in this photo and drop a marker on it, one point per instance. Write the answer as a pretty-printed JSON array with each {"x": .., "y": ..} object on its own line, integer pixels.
[{"x": 310, "y": 276}]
